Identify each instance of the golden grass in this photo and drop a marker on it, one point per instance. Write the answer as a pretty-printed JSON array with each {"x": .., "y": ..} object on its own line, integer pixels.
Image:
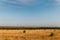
[{"x": 42, "y": 34}]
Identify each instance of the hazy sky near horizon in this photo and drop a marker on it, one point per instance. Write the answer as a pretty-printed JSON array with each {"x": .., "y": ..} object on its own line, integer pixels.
[{"x": 30, "y": 12}]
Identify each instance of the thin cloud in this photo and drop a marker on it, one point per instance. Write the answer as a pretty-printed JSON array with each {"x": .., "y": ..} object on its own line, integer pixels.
[
  {"x": 58, "y": 2},
  {"x": 19, "y": 3},
  {"x": 7, "y": 3},
  {"x": 28, "y": 2},
  {"x": 22, "y": 2}
]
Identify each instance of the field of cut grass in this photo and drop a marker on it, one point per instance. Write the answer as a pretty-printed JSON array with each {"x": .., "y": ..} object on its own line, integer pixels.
[{"x": 38, "y": 34}]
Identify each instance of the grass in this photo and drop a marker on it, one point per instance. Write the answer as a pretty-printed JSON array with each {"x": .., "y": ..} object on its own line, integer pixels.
[
  {"x": 29, "y": 33},
  {"x": 38, "y": 34}
]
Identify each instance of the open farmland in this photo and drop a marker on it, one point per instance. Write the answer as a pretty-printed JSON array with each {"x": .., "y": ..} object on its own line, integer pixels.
[{"x": 34, "y": 34}]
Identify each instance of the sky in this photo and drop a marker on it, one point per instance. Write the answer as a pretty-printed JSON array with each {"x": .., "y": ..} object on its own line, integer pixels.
[{"x": 30, "y": 12}]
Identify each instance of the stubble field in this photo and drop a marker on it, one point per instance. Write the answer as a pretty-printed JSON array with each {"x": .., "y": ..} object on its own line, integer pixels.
[{"x": 37, "y": 34}]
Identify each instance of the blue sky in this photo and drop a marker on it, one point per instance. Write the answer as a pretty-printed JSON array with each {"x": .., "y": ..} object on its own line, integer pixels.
[{"x": 30, "y": 12}]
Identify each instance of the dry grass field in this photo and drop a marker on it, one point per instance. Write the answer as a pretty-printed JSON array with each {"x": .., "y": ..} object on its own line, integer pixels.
[{"x": 38, "y": 34}]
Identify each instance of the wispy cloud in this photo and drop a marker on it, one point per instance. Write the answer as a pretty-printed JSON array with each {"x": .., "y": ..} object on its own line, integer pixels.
[
  {"x": 58, "y": 2},
  {"x": 19, "y": 3},
  {"x": 28, "y": 2},
  {"x": 9, "y": 3},
  {"x": 22, "y": 2}
]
